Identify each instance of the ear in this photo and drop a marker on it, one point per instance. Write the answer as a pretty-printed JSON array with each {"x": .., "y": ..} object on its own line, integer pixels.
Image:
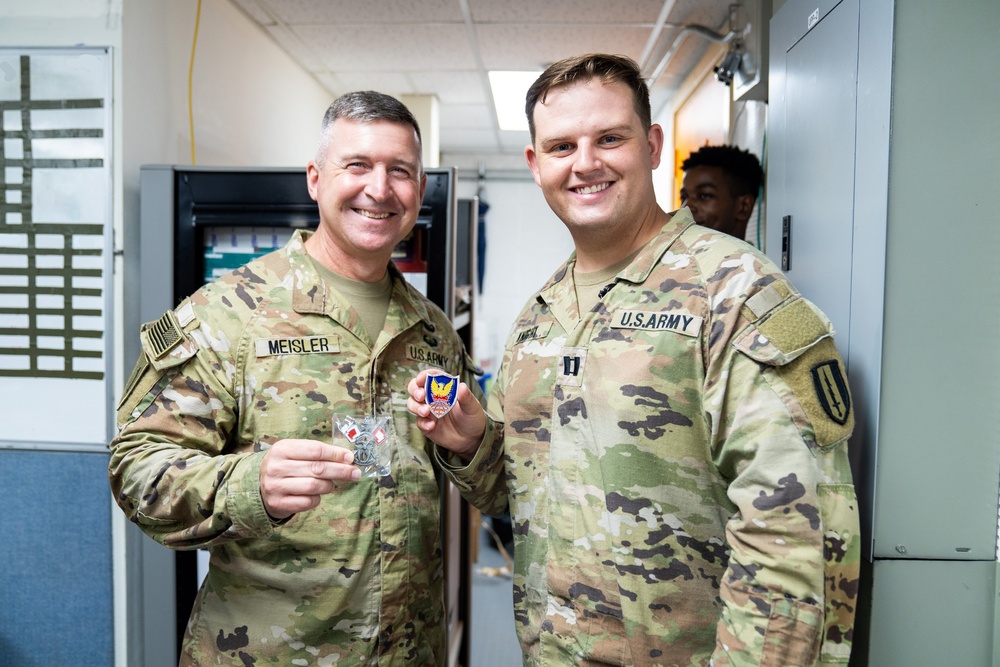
[
  {"x": 529, "y": 155},
  {"x": 312, "y": 179},
  {"x": 655, "y": 140},
  {"x": 423, "y": 184},
  {"x": 744, "y": 207}
]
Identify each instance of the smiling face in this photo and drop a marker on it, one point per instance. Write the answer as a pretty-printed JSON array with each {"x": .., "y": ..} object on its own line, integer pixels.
[
  {"x": 593, "y": 160},
  {"x": 708, "y": 192},
  {"x": 368, "y": 187}
]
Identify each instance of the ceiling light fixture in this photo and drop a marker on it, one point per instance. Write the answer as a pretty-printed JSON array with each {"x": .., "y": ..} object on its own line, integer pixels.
[{"x": 509, "y": 90}]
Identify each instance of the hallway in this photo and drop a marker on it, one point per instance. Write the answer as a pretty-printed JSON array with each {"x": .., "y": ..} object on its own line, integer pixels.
[{"x": 494, "y": 643}]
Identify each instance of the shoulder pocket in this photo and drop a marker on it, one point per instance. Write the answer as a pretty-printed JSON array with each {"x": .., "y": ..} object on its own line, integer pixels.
[
  {"x": 784, "y": 332},
  {"x": 165, "y": 346},
  {"x": 797, "y": 340}
]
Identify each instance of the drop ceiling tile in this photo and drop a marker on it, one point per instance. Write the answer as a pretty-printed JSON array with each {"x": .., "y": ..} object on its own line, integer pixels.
[
  {"x": 410, "y": 47},
  {"x": 390, "y": 83},
  {"x": 565, "y": 11},
  {"x": 526, "y": 47},
  {"x": 301, "y": 52},
  {"x": 342, "y": 12},
  {"x": 454, "y": 86}
]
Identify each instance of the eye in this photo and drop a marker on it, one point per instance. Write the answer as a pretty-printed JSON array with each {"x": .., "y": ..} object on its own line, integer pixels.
[
  {"x": 561, "y": 148},
  {"x": 610, "y": 140}
]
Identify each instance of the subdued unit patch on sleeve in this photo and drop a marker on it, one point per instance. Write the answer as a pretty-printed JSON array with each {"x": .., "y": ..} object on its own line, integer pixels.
[{"x": 819, "y": 382}]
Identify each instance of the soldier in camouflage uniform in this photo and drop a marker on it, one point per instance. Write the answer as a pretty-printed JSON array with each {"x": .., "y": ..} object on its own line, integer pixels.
[
  {"x": 225, "y": 429},
  {"x": 669, "y": 425}
]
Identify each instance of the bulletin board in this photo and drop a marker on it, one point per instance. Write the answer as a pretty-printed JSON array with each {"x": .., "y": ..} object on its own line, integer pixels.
[{"x": 55, "y": 247}]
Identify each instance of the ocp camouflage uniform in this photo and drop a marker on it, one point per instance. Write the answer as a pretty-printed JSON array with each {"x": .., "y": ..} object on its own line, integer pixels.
[
  {"x": 355, "y": 581},
  {"x": 675, "y": 465}
]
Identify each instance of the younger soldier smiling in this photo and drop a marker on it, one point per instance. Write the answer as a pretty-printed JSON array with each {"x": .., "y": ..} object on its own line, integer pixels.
[{"x": 668, "y": 428}]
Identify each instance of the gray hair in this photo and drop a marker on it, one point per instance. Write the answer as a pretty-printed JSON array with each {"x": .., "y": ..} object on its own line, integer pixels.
[{"x": 364, "y": 106}]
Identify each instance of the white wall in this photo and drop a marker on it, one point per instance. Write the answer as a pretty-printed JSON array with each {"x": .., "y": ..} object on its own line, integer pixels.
[{"x": 525, "y": 242}]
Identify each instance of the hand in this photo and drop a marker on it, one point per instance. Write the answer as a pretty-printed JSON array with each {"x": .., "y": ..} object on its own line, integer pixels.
[
  {"x": 461, "y": 430},
  {"x": 295, "y": 473}
]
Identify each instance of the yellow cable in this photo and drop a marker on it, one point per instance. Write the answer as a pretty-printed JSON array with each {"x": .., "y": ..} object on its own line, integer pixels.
[{"x": 194, "y": 43}]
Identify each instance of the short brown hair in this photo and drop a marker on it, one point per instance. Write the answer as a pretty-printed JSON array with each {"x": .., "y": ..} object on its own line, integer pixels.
[{"x": 608, "y": 68}]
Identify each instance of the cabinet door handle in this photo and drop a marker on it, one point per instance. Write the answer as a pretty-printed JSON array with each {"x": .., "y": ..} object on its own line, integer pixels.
[{"x": 786, "y": 243}]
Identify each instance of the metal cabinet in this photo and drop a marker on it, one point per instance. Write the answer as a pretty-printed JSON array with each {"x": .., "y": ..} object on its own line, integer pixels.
[{"x": 881, "y": 171}]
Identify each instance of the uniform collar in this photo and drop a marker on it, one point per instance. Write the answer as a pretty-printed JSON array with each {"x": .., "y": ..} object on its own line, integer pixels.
[
  {"x": 637, "y": 271},
  {"x": 311, "y": 295}
]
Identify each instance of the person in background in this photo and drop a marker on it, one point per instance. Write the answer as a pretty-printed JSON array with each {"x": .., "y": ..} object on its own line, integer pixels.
[
  {"x": 669, "y": 425},
  {"x": 264, "y": 422},
  {"x": 720, "y": 187}
]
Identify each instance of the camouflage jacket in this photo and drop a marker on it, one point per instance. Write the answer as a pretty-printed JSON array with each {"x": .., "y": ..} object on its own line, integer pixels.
[
  {"x": 675, "y": 465},
  {"x": 267, "y": 353}
]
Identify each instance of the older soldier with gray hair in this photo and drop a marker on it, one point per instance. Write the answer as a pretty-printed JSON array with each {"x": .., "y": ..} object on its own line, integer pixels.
[
  {"x": 321, "y": 553},
  {"x": 669, "y": 425}
]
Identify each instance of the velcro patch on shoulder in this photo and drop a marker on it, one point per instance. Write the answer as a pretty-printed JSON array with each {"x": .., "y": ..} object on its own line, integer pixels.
[
  {"x": 818, "y": 380},
  {"x": 795, "y": 326},
  {"x": 164, "y": 335},
  {"x": 766, "y": 300},
  {"x": 138, "y": 387}
]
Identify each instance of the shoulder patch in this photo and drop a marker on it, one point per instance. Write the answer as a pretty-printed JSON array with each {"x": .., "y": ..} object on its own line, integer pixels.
[
  {"x": 818, "y": 380},
  {"x": 831, "y": 390},
  {"x": 164, "y": 335}
]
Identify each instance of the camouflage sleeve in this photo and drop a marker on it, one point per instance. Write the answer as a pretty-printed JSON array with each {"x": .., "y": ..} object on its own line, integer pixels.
[
  {"x": 168, "y": 469},
  {"x": 789, "y": 594},
  {"x": 481, "y": 481}
]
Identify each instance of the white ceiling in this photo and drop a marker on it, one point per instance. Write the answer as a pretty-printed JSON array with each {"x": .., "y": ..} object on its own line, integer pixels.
[{"x": 446, "y": 48}]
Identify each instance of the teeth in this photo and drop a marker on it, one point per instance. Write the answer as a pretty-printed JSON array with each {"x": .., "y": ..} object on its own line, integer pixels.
[
  {"x": 591, "y": 189},
  {"x": 373, "y": 216}
]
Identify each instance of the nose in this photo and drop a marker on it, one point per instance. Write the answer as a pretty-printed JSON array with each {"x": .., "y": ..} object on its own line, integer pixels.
[
  {"x": 587, "y": 158},
  {"x": 377, "y": 186}
]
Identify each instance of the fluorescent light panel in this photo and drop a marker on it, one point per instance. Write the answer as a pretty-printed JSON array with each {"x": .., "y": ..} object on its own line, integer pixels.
[{"x": 509, "y": 90}]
